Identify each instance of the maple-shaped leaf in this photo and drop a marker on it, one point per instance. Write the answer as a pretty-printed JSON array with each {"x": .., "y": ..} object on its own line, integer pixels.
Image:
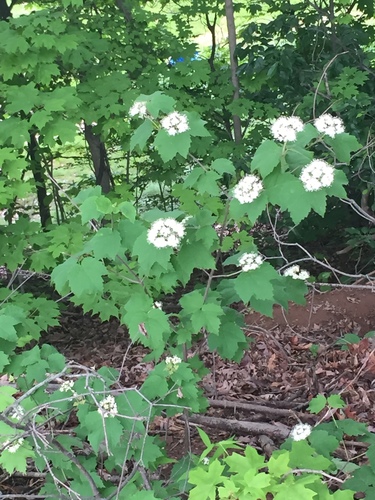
[
  {"x": 287, "y": 191},
  {"x": 169, "y": 146},
  {"x": 106, "y": 243},
  {"x": 343, "y": 145},
  {"x": 266, "y": 157},
  {"x": 141, "y": 135},
  {"x": 256, "y": 283},
  {"x": 85, "y": 277},
  {"x": 196, "y": 125}
]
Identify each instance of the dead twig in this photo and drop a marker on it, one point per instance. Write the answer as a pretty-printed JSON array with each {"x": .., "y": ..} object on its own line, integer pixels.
[{"x": 279, "y": 431}]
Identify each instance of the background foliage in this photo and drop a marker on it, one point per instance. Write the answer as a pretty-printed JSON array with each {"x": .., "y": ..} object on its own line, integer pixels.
[{"x": 81, "y": 182}]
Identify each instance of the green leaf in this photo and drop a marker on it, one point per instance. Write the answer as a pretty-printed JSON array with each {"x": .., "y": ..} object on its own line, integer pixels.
[
  {"x": 141, "y": 135},
  {"x": 278, "y": 464},
  {"x": 149, "y": 255},
  {"x": 304, "y": 456},
  {"x": 206, "y": 481},
  {"x": 351, "y": 427},
  {"x": 343, "y": 145},
  {"x": 317, "y": 404},
  {"x": 169, "y": 146},
  {"x": 336, "y": 401},
  {"x": 253, "y": 210},
  {"x": 103, "y": 205},
  {"x": 22, "y": 98},
  {"x": 17, "y": 460},
  {"x": 285, "y": 190},
  {"x": 86, "y": 277},
  {"x": 323, "y": 442},
  {"x": 304, "y": 137},
  {"x": 158, "y": 102},
  {"x": 89, "y": 210},
  {"x": 266, "y": 157},
  {"x": 201, "y": 314},
  {"x": 6, "y": 396},
  {"x": 128, "y": 209},
  {"x": 106, "y": 243},
  {"x": 232, "y": 350},
  {"x": 196, "y": 125},
  {"x": 192, "y": 256},
  {"x": 204, "y": 437},
  {"x": 297, "y": 157},
  {"x": 256, "y": 283},
  {"x": 7, "y": 330},
  {"x": 4, "y": 360},
  {"x": 223, "y": 166}
]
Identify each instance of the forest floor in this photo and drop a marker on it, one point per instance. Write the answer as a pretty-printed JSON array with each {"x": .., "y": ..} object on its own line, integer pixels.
[{"x": 292, "y": 358}]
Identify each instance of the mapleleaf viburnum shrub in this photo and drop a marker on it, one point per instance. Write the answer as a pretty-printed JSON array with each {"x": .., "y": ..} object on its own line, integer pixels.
[{"x": 118, "y": 263}]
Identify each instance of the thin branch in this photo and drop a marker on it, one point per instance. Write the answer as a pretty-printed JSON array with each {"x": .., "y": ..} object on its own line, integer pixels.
[
  {"x": 229, "y": 14},
  {"x": 312, "y": 471}
]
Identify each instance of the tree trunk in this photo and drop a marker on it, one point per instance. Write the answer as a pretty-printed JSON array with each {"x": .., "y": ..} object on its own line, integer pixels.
[
  {"x": 229, "y": 13},
  {"x": 103, "y": 175},
  {"x": 40, "y": 181},
  {"x": 5, "y": 12}
]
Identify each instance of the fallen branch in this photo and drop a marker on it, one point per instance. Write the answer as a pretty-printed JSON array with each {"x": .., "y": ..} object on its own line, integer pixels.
[
  {"x": 280, "y": 431},
  {"x": 268, "y": 410}
]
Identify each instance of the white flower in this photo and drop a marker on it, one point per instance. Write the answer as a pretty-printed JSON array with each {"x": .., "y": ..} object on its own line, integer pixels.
[
  {"x": 175, "y": 123},
  {"x": 285, "y": 128},
  {"x": 250, "y": 261},
  {"x": 300, "y": 431},
  {"x": 108, "y": 407},
  {"x": 138, "y": 109},
  {"x": 166, "y": 233},
  {"x": 17, "y": 413},
  {"x": 330, "y": 125},
  {"x": 14, "y": 446},
  {"x": 66, "y": 386},
  {"x": 158, "y": 305},
  {"x": 317, "y": 175},
  {"x": 172, "y": 363},
  {"x": 297, "y": 273},
  {"x": 248, "y": 189},
  {"x": 206, "y": 461}
]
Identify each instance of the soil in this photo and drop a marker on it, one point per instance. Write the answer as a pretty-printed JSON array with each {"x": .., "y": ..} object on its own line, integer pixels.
[{"x": 292, "y": 358}]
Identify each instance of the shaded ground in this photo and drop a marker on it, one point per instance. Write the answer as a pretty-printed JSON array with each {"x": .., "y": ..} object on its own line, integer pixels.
[{"x": 292, "y": 358}]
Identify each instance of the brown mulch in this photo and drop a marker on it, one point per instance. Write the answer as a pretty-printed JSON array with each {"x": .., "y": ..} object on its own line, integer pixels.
[{"x": 292, "y": 358}]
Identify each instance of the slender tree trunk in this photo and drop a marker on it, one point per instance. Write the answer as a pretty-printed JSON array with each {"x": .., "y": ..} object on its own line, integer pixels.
[
  {"x": 40, "y": 181},
  {"x": 5, "y": 11},
  {"x": 229, "y": 13},
  {"x": 100, "y": 161}
]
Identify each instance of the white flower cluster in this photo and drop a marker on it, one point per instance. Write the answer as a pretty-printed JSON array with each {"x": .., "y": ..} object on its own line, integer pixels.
[
  {"x": 297, "y": 273},
  {"x": 175, "y": 123},
  {"x": 17, "y": 413},
  {"x": 66, "y": 386},
  {"x": 300, "y": 431},
  {"x": 138, "y": 109},
  {"x": 166, "y": 233},
  {"x": 285, "y": 128},
  {"x": 158, "y": 305},
  {"x": 250, "y": 261},
  {"x": 330, "y": 125},
  {"x": 14, "y": 446},
  {"x": 172, "y": 363},
  {"x": 317, "y": 175},
  {"x": 248, "y": 189},
  {"x": 206, "y": 461},
  {"x": 108, "y": 407}
]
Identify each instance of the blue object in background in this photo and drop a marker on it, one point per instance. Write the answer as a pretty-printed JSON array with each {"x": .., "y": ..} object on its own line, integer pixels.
[{"x": 173, "y": 62}]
